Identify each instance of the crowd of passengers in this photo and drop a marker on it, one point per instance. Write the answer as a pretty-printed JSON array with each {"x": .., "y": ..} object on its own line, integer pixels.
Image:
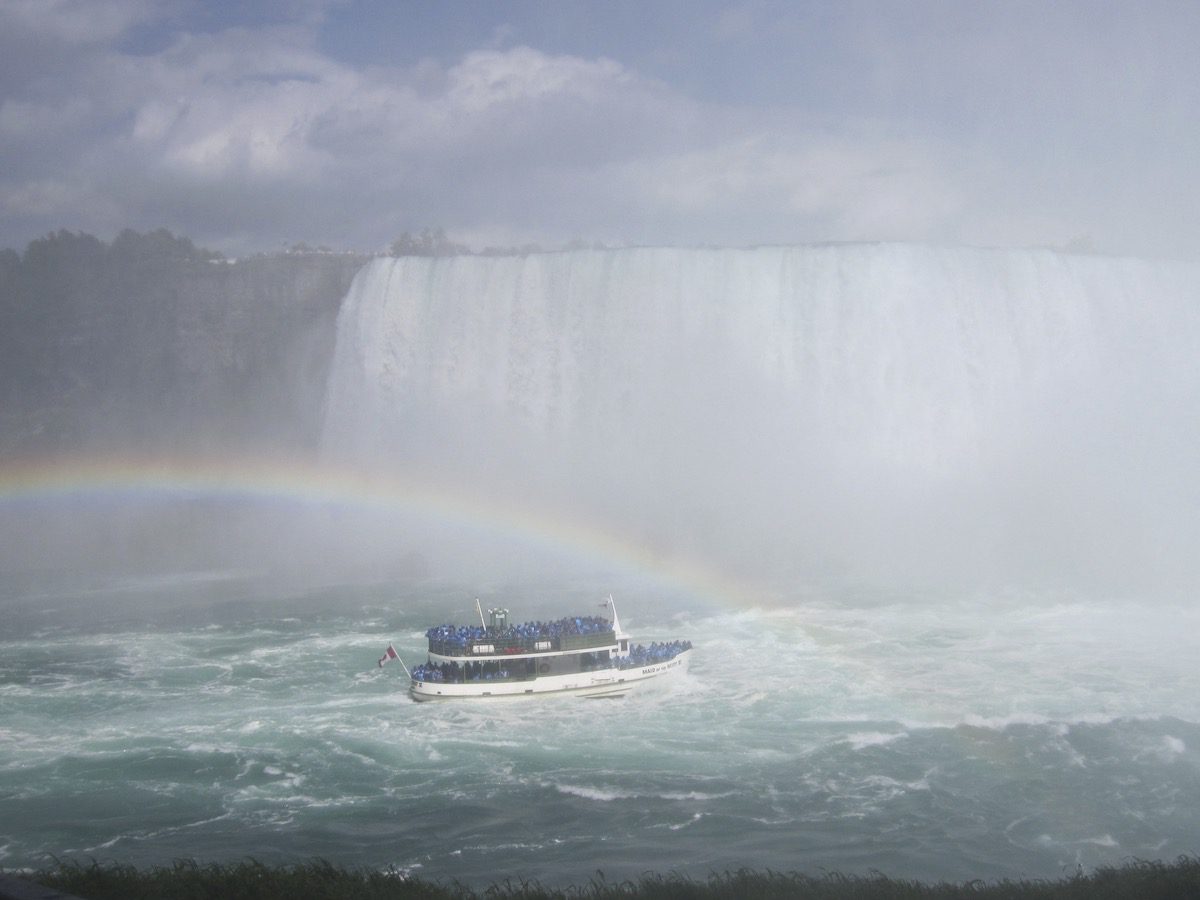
[
  {"x": 464, "y": 635},
  {"x": 640, "y": 655},
  {"x": 471, "y": 671}
]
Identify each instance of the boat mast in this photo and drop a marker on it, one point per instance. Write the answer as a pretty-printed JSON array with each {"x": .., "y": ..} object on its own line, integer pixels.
[{"x": 479, "y": 608}]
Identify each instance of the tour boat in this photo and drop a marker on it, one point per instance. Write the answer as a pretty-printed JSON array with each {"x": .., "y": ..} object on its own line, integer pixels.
[{"x": 588, "y": 656}]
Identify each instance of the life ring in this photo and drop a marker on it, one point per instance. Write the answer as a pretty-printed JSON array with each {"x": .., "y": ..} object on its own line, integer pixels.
[{"x": 544, "y": 668}]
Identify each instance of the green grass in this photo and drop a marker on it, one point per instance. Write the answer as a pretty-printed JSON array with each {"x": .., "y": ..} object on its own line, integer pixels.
[{"x": 320, "y": 880}]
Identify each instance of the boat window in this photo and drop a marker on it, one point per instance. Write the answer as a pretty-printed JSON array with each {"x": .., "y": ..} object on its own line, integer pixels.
[{"x": 624, "y": 646}]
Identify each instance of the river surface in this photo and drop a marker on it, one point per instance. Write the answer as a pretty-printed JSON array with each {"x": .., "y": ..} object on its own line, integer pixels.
[{"x": 220, "y": 717}]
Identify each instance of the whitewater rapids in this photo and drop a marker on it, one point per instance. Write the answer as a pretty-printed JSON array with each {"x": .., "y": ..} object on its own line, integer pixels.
[{"x": 951, "y": 737}]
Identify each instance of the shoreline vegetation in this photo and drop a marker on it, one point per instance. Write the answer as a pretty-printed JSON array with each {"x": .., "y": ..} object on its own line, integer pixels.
[{"x": 321, "y": 880}]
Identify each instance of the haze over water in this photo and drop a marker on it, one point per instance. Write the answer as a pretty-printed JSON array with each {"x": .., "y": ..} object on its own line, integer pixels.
[{"x": 950, "y": 494}]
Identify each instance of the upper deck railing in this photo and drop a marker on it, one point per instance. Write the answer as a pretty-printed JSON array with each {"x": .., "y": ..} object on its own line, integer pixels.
[
  {"x": 500, "y": 670},
  {"x": 507, "y": 645}
]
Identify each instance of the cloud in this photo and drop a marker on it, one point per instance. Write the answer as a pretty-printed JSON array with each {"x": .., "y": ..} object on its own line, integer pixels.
[
  {"x": 849, "y": 188},
  {"x": 76, "y": 22},
  {"x": 233, "y": 105},
  {"x": 248, "y": 137},
  {"x": 242, "y": 112},
  {"x": 497, "y": 78}
]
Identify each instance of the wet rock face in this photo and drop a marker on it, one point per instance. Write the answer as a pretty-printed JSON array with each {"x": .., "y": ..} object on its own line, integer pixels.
[{"x": 149, "y": 344}]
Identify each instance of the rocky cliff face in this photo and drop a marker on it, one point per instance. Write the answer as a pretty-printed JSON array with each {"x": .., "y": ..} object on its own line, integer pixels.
[{"x": 149, "y": 345}]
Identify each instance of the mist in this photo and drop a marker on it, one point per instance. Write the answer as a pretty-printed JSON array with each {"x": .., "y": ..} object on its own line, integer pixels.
[
  {"x": 856, "y": 344},
  {"x": 893, "y": 414},
  {"x": 885, "y": 412}
]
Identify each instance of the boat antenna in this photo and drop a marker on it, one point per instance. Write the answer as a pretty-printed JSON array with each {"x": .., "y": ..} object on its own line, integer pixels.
[
  {"x": 480, "y": 609},
  {"x": 616, "y": 621}
]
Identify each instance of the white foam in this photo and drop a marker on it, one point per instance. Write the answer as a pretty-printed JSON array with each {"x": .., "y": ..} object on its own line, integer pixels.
[
  {"x": 694, "y": 795},
  {"x": 696, "y": 817},
  {"x": 591, "y": 793},
  {"x": 891, "y": 787},
  {"x": 864, "y": 739}
]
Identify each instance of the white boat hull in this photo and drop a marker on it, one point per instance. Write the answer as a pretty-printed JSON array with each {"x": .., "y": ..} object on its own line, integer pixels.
[{"x": 596, "y": 684}]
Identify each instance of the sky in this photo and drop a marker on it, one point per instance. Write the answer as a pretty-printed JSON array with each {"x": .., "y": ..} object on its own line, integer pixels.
[{"x": 252, "y": 126}]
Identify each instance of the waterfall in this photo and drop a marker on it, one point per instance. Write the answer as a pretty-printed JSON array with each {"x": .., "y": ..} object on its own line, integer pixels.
[{"x": 850, "y": 400}]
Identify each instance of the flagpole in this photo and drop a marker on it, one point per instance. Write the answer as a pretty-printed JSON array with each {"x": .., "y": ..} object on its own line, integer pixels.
[{"x": 404, "y": 667}]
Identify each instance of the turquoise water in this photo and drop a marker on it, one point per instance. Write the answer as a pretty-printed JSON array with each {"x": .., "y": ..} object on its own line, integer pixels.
[{"x": 218, "y": 717}]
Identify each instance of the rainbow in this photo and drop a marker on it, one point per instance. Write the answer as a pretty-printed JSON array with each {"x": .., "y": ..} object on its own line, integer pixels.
[{"x": 308, "y": 485}]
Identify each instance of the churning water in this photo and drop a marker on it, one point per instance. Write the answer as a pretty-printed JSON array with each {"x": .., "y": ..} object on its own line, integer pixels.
[{"x": 921, "y": 736}]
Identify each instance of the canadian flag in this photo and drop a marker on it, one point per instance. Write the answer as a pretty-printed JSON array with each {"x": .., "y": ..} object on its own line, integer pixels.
[{"x": 390, "y": 654}]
